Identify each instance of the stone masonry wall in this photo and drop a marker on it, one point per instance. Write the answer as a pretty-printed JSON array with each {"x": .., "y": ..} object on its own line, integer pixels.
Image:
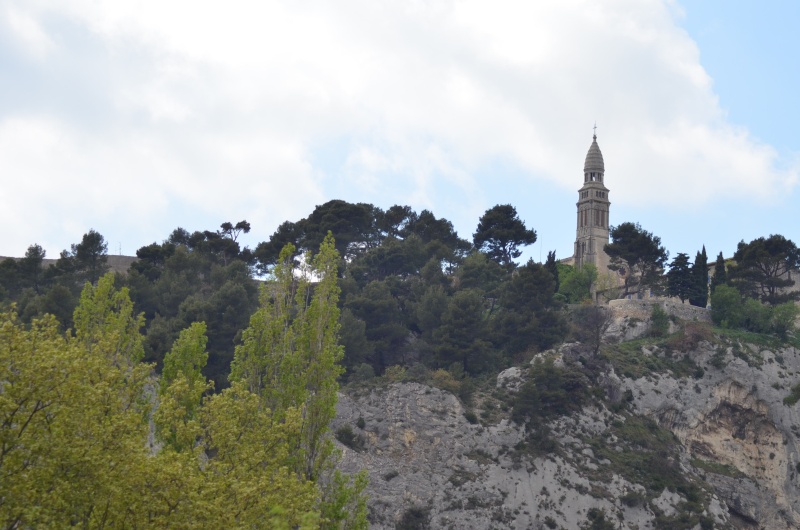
[{"x": 642, "y": 309}]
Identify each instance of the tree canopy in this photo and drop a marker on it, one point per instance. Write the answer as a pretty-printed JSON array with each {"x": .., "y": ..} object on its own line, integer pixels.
[
  {"x": 680, "y": 282},
  {"x": 75, "y": 434},
  {"x": 638, "y": 255},
  {"x": 764, "y": 269},
  {"x": 501, "y": 232}
]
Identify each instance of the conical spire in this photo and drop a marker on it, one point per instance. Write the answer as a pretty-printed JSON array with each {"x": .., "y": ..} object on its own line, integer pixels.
[{"x": 594, "y": 158}]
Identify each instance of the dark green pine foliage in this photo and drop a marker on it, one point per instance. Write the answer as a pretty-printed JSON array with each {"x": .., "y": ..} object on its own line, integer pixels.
[
  {"x": 500, "y": 233},
  {"x": 552, "y": 266},
  {"x": 720, "y": 274},
  {"x": 680, "y": 280},
  {"x": 699, "y": 293},
  {"x": 461, "y": 336},
  {"x": 527, "y": 316},
  {"x": 639, "y": 255},
  {"x": 764, "y": 269}
]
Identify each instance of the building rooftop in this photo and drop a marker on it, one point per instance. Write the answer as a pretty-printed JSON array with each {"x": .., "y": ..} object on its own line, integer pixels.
[{"x": 594, "y": 158}]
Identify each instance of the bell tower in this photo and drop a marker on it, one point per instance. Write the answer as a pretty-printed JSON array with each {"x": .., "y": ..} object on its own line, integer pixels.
[{"x": 593, "y": 206}]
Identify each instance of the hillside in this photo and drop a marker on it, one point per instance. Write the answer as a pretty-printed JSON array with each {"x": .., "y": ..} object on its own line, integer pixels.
[{"x": 685, "y": 431}]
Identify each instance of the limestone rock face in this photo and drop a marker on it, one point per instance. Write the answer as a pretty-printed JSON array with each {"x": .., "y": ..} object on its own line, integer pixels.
[
  {"x": 435, "y": 464},
  {"x": 734, "y": 417}
]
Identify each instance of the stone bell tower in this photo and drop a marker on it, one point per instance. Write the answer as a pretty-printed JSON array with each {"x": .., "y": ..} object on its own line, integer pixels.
[{"x": 593, "y": 206}]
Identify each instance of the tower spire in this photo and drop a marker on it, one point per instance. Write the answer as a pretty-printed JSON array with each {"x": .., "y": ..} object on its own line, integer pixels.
[{"x": 593, "y": 208}]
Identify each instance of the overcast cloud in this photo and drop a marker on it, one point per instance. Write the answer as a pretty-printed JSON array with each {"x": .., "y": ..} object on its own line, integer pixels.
[{"x": 134, "y": 117}]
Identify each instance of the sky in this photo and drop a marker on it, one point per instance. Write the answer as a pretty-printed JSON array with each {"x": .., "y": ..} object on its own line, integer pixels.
[{"x": 134, "y": 118}]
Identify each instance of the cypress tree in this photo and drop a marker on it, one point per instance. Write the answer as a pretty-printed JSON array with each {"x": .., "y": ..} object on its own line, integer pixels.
[
  {"x": 680, "y": 277},
  {"x": 552, "y": 266},
  {"x": 699, "y": 293},
  {"x": 720, "y": 274}
]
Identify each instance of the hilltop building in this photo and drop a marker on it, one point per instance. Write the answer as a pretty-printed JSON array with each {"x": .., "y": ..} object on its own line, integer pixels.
[{"x": 593, "y": 213}]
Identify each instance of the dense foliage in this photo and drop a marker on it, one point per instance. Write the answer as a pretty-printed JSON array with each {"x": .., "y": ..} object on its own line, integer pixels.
[
  {"x": 75, "y": 437},
  {"x": 413, "y": 291},
  {"x": 638, "y": 256}
]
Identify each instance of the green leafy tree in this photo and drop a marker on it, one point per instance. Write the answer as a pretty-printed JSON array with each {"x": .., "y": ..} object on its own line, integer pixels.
[
  {"x": 105, "y": 320},
  {"x": 680, "y": 280},
  {"x": 75, "y": 437},
  {"x": 731, "y": 310},
  {"x": 500, "y": 233},
  {"x": 289, "y": 357},
  {"x": 699, "y": 293},
  {"x": 784, "y": 319},
  {"x": 727, "y": 309},
  {"x": 73, "y": 434},
  {"x": 576, "y": 284},
  {"x": 764, "y": 269},
  {"x": 637, "y": 254},
  {"x": 182, "y": 385}
]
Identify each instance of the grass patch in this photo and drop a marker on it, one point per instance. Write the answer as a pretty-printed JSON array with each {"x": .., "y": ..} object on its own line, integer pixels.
[
  {"x": 758, "y": 339},
  {"x": 717, "y": 468},
  {"x": 629, "y": 361},
  {"x": 647, "y": 454},
  {"x": 794, "y": 397},
  {"x": 461, "y": 477}
]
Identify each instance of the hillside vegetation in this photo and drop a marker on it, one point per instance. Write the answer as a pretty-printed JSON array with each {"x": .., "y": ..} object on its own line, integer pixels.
[{"x": 216, "y": 368}]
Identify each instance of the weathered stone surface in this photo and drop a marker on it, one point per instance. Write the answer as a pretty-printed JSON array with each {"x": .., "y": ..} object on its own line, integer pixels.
[
  {"x": 421, "y": 452},
  {"x": 733, "y": 429}
]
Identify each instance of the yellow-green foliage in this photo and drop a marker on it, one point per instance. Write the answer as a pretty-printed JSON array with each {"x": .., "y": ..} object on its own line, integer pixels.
[
  {"x": 445, "y": 380},
  {"x": 76, "y": 445}
]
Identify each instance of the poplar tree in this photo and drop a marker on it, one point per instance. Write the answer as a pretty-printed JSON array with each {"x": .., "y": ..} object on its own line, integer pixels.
[{"x": 290, "y": 358}]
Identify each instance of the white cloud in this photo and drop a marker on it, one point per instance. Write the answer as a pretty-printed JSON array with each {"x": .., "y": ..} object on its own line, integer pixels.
[
  {"x": 228, "y": 104},
  {"x": 30, "y": 38}
]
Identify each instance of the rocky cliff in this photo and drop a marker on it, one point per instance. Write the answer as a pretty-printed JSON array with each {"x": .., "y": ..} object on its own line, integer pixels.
[{"x": 687, "y": 431}]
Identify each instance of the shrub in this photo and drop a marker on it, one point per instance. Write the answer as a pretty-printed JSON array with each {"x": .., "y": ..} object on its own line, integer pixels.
[
  {"x": 349, "y": 438},
  {"x": 414, "y": 518},
  {"x": 596, "y": 520},
  {"x": 659, "y": 322},
  {"x": 444, "y": 380},
  {"x": 726, "y": 307},
  {"x": 784, "y": 317},
  {"x": 395, "y": 374},
  {"x": 361, "y": 373},
  {"x": 794, "y": 397},
  {"x": 550, "y": 391}
]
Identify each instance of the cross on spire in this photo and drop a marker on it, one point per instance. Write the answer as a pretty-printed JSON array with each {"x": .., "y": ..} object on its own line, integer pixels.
[{"x": 594, "y": 136}]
